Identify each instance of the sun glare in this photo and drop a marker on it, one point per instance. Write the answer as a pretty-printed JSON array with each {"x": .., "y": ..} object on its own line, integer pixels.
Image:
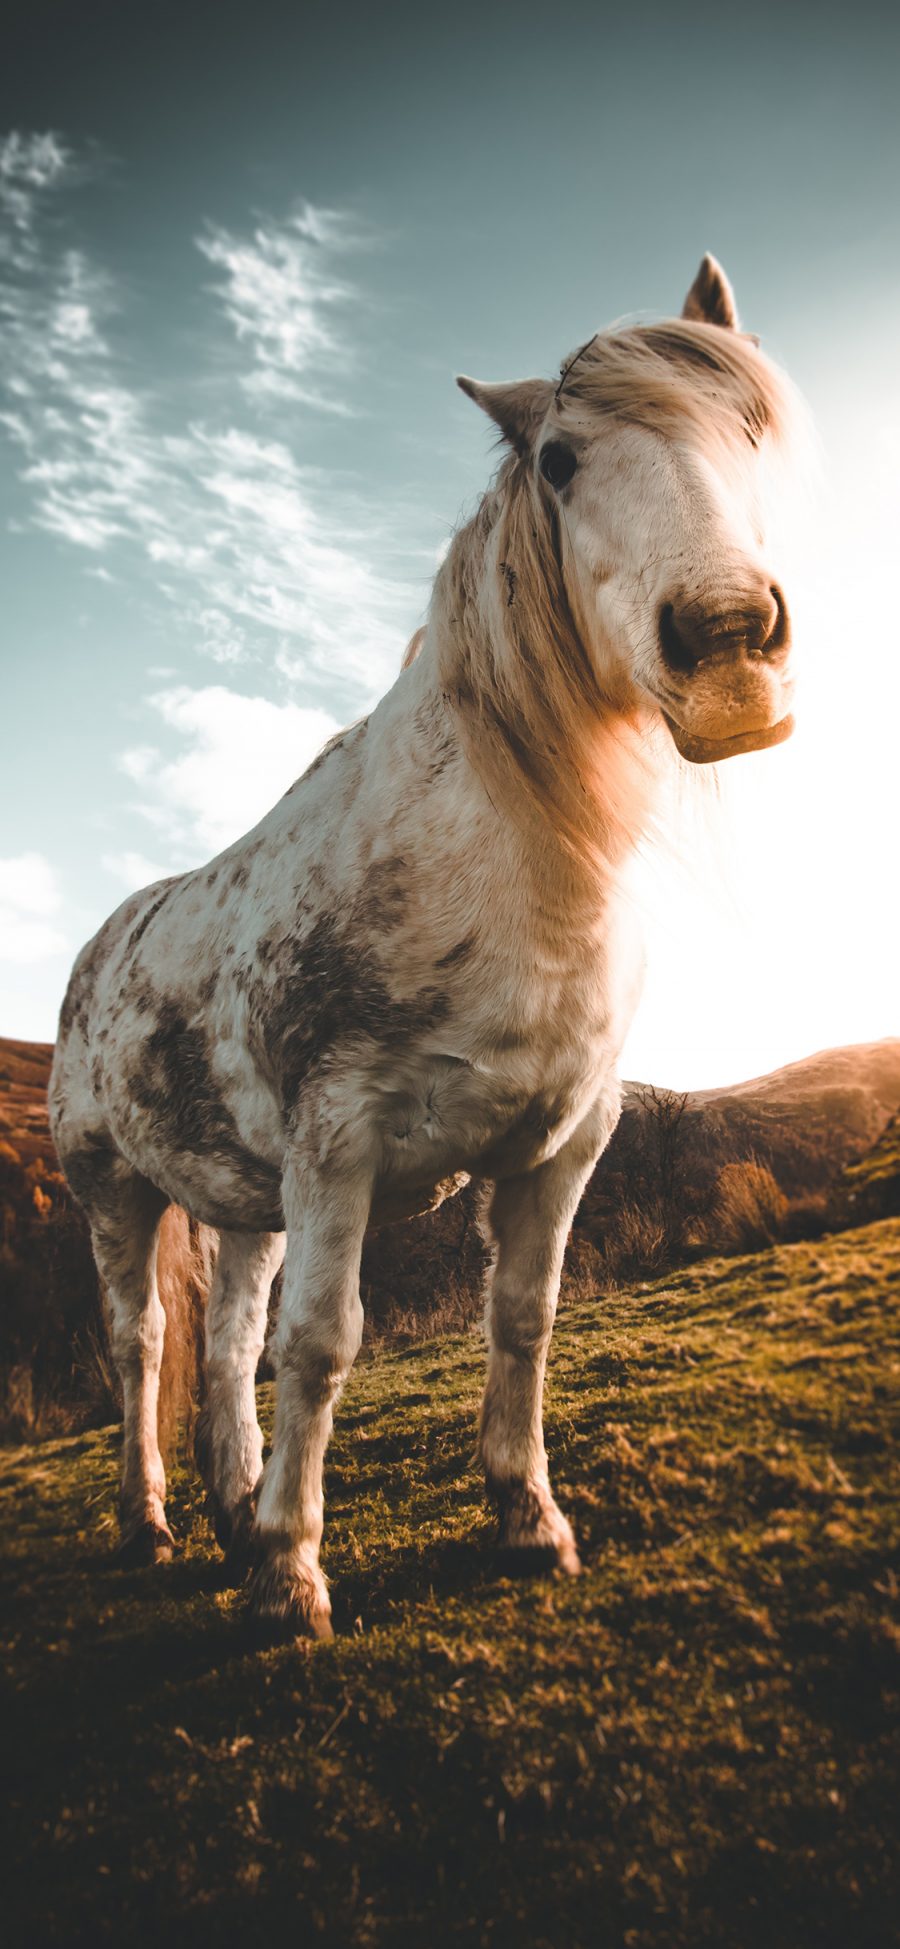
[{"x": 776, "y": 935}]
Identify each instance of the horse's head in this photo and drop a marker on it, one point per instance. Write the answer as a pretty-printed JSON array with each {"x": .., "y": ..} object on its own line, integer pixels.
[{"x": 649, "y": 460}]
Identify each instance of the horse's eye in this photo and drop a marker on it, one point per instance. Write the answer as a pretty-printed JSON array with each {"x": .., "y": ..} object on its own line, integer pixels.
[{"x": 557, "y": 464}]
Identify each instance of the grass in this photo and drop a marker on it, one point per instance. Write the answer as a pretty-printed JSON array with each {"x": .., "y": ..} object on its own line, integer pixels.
[{"x": 695, "y": 1743}]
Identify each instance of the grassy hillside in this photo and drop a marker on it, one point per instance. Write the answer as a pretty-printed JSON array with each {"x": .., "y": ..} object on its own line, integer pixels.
[{"x": 696, "y": 1743}]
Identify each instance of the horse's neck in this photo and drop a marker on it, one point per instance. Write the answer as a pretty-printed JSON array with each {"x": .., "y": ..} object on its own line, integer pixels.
[
  {"x": 527, "y": 853},
  {"x": 565, "y": 762}
]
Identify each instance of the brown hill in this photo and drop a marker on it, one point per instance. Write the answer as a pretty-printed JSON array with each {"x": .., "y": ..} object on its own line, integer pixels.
[
  {"x": 805, "y": 1121},
  {"x": 24, "y": 1075}
]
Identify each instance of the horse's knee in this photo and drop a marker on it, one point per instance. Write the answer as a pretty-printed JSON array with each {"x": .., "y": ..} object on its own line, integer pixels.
[
  {"x": 520, "y": 1324},
  {"x": 136, "y": 1335},
  {"x": 234, "y": 1347},
  {"x": 318, "y": 1351}
]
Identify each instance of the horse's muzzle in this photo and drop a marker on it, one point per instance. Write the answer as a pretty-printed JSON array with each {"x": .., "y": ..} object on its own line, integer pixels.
[{"x": 710, "y": 751}]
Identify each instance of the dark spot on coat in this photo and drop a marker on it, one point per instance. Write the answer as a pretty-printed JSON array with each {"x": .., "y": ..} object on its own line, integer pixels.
[
  {"x": 326, "y": 991},
  {"x": 86, "y": 972},
  {"x": 438, "y": 742},
  {"x": 171, "y": 1079},
  {"x": 241, "y": 875},
  {"x": 139, "y": 992},
  {"x": 144, "y": 922},
  {"x": 382, "y": 902},
  {"x": 457, "y": 954}
]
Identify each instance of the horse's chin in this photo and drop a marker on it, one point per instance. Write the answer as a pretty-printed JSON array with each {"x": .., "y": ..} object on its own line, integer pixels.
[{"x": 711, "y": 751}]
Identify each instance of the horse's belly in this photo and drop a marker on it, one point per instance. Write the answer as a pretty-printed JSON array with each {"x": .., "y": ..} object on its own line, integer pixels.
[{"x": 227, "y": 1187}]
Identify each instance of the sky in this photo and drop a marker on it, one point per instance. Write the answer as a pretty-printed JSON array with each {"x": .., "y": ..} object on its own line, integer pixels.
[{"x": 243, "y": 253}]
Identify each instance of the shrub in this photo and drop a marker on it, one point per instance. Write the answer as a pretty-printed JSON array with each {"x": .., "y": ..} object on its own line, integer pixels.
[
  {"x": 639, "y": 1241},
  {"x": 748, "y": 1208}
]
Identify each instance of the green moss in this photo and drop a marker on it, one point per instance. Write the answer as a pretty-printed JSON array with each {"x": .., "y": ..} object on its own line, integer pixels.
[{"x": 694, "y": 1743}]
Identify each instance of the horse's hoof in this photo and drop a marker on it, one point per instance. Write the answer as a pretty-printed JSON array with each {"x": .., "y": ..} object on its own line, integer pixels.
[
  {"x": 148, "y": 1544},
  {"x": 539, "y": 1559},
  {"x": 216, "y": 1513},
  {"x": 285, "y": 1605},
  {"x": 268, "y": 1630},
  {"x": 534, "y": 1535}
]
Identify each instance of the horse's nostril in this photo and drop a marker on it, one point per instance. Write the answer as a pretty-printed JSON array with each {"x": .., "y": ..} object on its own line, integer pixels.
[
  {"x": 691, "y": 635},
  {"x": 780, "y": 628},
  {"x": 676, "y": 652}
]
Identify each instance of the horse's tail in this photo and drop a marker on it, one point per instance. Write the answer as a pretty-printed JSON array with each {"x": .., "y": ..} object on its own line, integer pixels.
[{"x": 186, "y": 1256}]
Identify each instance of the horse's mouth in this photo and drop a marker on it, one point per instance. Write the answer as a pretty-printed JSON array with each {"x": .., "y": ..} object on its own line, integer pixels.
[{"x": 710, "y": 751}]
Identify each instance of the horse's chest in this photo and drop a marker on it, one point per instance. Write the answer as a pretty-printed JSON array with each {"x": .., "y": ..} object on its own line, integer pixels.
[
  {"x": 530, "y": 1065},
  {"x": 540, "y": 1100},
  {"x": 503, "y": 1112}
]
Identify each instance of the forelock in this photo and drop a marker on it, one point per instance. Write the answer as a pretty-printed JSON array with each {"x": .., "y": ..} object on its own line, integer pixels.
[{"x": 679, "y": 374}]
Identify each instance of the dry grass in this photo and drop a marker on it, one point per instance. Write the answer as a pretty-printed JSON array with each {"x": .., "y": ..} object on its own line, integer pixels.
[
  {"x": 748, "y": 1208},
  {"x": 693, "y": 1746}
]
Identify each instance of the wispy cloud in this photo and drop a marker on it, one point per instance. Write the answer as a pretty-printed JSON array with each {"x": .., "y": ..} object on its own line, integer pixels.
[
  {"x": 134, "y": 870},
  {"x": 258, "y": 555},
  {"x": 279, "y": 293},
  {"x": 29, "y": 164},
  {"x": 237, "y": 755},
  {"x": 30, "y": 901}
]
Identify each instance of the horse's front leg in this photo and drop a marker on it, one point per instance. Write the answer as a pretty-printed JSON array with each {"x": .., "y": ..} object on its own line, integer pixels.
[
  {"x": 530, "y": 1217},
  {"x": 316, "y": 1341}
]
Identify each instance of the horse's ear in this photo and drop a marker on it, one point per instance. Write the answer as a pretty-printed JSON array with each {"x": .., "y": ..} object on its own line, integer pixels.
[
  {"x": 710, "y": 298},
  {"x": 518, "y": 409}
]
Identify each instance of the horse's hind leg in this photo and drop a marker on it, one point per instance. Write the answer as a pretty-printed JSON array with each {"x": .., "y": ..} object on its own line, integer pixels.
[
  {"x": 125, "y": 1212},
  {"x": 229, "y": 1443}
]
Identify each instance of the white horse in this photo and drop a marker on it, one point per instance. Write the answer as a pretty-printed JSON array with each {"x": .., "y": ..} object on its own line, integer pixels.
[{"x": 420, "y": 965}]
